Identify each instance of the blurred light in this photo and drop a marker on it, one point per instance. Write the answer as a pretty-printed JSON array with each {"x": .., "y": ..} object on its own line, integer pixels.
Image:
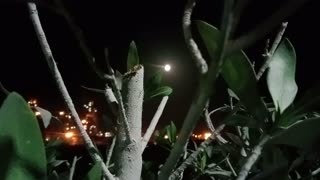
[
  {"x": 99, "y": 134},
  {"x": 90, "y": 132},
  {"x": 61, "y": 113},
  {"x": 84, "y": 121},
  {"x": 69, "y": 134},
  {"x": 207, "y": 135},
  {"x": 67, "y": 128},
  {"x": 166, "y": 136},
  {"x": 167, "y": 67},
  {"x": 85, "y": 127},
  {"x": 68, "y": 116},
  {"x": 47, "y": 138},
  {"x": 73, "y": 127},
  {"x": 95, "y": 110},
  {"x": 107, "y": 134},
  {"x": 38, "y": 113}
]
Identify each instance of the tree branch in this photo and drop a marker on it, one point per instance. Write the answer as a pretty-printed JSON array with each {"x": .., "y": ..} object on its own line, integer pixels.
[
  {"x": 192, "y": 157},
  {"x": 269, "y": 54},
  {"x": 210, "y": 125},
  {"x": 153, "y": 123},
  {"x": 73, "y": 167},
  {"x": 256, "y": 152},
  {"x": 191, "y": 44},
  {"x": 110, "y": 151},
  {"x": 207, "y": 82},
  {"x": 265, "y": 27},
  {"x": 117, "y": 94},
  {"x": 63, "y": 90}
]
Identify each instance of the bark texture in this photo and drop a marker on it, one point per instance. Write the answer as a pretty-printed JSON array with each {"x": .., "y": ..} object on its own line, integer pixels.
[{"x": 128, "y": 155}]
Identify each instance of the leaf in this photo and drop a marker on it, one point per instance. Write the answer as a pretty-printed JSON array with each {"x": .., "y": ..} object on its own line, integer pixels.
[
  {"x": 281, "y": 76},
  {"x": 203, "y": 161},
  {"x": 237, "y": 71},
  {"x": 154, "y": 82},
  {"x": 303, "y": 134},
  {"x": 133, "y": 58},
  {"x": 20, "y": 131},
  {"x": 232, "y": 94},
  {"x": 161, "y": 91},
  {"x": 45, "y": 116},
  {"x": 241, "y": 120},
  {"x": 118, "y": 77},
  {"x": 172, "y": 133},
  {"x": 310, "y": 101},
  {"x": 94, "y": 173}
]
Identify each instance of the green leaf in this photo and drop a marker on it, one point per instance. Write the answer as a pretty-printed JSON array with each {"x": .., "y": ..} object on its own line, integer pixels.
[
  {"x": 303, "y": 134},
  {"x": 154, "y": 82},
  {"x": 237, "y": 71},
  {"x": 281, "y": 76},
  {"x": 203, "y": 161},
  {"x": 172, "y": 132},
  {"x": 45, "y": 116},
  {"x": 94, "y": 173},
  {"x": 21, "y": 142},
  {"x": 310, "y": 101},
  {"x": 161, "y": 91},
  {"x": 133, "y": 58}
]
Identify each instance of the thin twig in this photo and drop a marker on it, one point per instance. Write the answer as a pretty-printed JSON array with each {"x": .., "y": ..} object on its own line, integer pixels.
[
  {"x": 210, "y": 125},
  {"x": 265, "y": 27},
  {"x": 73, "y": 167},
  {"x": 255, "y": 154},
  {"x": 191, "y": 44},
  {"x": 117, "y": 94},
  {"x": 231, "y": 167},
  {"x": 63, "y": 90},
  {"x": 110, "y": 151},
  {"x": 4, "y": 90},
  {"x": 269, "y": 54},
  {"x": 195, "y": 154},
  {"x": 153, "y": 123}
]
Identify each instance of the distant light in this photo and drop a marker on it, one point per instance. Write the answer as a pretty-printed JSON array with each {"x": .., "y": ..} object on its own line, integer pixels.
[
  {"x": 67, "y": 128},
  {"x": 107, "y": 134},
  {"x": 84, "y": 121},
  {"x": 167, "y": 67},
  {"x": 166, "y": 136},
  {"x": 38, "y": 113},
  {"x": 61, "y": 113},
  {"x": 207, "y": 135},
  {"x": 47, "y": 138},
  {"x": 69, "y": 134}
]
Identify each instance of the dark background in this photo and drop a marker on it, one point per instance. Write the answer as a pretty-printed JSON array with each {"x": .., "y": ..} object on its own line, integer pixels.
[{"x": 155, "y": 26}]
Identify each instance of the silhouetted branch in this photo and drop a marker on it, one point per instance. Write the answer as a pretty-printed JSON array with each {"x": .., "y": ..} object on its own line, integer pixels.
[
  {"x": 269, "y": 54},
  {"x": 153, "y": 123},
  {"x": 62, "y": 88},
  {"x": 265, "y": 27}
]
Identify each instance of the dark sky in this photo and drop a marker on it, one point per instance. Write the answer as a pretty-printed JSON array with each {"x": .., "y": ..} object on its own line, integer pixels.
[{"x": 155, "y": 26}]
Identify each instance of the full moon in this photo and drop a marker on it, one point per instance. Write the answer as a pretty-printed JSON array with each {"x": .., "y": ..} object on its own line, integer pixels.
[{"x": 167, "y": 67}]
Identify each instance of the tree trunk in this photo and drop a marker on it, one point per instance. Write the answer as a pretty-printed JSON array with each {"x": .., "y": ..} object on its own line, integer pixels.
[{"x": 128, "y": 157}]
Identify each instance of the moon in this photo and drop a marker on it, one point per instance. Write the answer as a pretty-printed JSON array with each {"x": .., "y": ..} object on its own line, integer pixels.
[{"x": 167, "y": 67}]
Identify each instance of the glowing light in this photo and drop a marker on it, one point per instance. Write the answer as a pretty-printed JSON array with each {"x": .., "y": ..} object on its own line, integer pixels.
[
  {"x": 61, "y": 113},
  {"x": 84, "y": 121},
  {"x": 47, "y": 138},
  {"x": 99, "y": 134},
  {"x": 69, "y": 134},
  {"x": 207, "y": 135},
  {"x": 166, "y": 136},
  {"x": 167, "y": 67},
  {"x": 67, "y": 128},
  {"x": 107, "y": 134},
  {"x": 38, "y": 113}
]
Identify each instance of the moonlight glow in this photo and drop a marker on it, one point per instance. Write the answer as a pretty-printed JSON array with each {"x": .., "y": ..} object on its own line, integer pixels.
[{"x": 167, "y": 67}]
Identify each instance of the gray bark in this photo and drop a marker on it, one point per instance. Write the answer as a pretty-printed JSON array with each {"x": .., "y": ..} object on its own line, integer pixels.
[{"x": 128, "y": 162}]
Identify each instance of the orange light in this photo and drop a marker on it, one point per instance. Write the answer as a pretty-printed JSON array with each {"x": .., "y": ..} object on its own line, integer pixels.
[
  {"x": 84, "y": 121},
  {"x": 69, "y": 134},
  {"x": 61, "y": 113}
]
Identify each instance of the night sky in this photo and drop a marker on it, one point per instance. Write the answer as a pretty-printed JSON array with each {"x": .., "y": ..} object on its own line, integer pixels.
[{"x": 155, "y": 26}]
